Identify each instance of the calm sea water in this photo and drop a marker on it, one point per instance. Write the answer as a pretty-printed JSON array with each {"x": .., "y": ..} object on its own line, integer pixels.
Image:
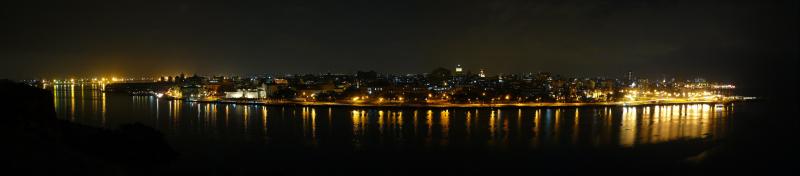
[{"x": 221, "y": 133}]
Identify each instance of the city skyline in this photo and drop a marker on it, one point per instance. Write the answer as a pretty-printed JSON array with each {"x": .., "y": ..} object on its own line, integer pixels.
[
  {"x": 440, "y": 87},
  {"x": 458, "y": 70}
]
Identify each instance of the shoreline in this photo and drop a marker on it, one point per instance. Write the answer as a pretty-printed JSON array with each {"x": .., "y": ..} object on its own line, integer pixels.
[{"x": 494, "y": 105}]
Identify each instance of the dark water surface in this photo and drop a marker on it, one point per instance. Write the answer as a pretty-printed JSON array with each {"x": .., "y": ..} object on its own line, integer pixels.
[{"x": 228, "y": 138}]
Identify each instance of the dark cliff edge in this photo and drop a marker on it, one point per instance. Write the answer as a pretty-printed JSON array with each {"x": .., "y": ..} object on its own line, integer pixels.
[{"x": 39, "y": 143}]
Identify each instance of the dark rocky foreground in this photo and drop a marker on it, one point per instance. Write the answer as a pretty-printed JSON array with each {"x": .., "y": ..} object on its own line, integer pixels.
[{"x": 39, "y": 143}]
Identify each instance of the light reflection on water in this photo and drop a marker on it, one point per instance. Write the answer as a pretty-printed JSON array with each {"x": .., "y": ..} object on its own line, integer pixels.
[{"x": 417, "y": 127}]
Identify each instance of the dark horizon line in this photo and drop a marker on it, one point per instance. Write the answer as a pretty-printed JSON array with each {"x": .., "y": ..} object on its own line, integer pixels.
[{"x": 248, "y": 75}]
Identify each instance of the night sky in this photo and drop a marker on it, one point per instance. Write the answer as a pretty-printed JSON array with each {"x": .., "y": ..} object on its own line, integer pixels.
[{"x": 725, "y": 40}]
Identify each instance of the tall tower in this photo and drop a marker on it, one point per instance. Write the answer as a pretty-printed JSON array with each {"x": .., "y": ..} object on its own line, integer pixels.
[
  {"x": 630, "y": 76},
  {"x": 482, "y": 74},
  {"x": 459, "y": 70}
]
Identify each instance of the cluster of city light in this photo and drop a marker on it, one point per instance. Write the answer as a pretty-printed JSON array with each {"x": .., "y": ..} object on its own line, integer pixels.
[
  {"x": 596, "y": 94},
  {"x": 727, "y": 86},
  {"x": 635, "y": 95},
  {"x": 629, "y": 95},
  {"x": 174, "y": 93},
  {"x": 93, "y": 80},
  {"x": 82, "y": 81},
  {"x": 707, "y": 85},
  {"x": 361, "y": 99},
  {"x": 444, "y": 97}
]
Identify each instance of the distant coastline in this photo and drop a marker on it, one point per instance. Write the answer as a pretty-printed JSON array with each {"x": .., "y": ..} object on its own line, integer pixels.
[{"x": 456, "y": 105}]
